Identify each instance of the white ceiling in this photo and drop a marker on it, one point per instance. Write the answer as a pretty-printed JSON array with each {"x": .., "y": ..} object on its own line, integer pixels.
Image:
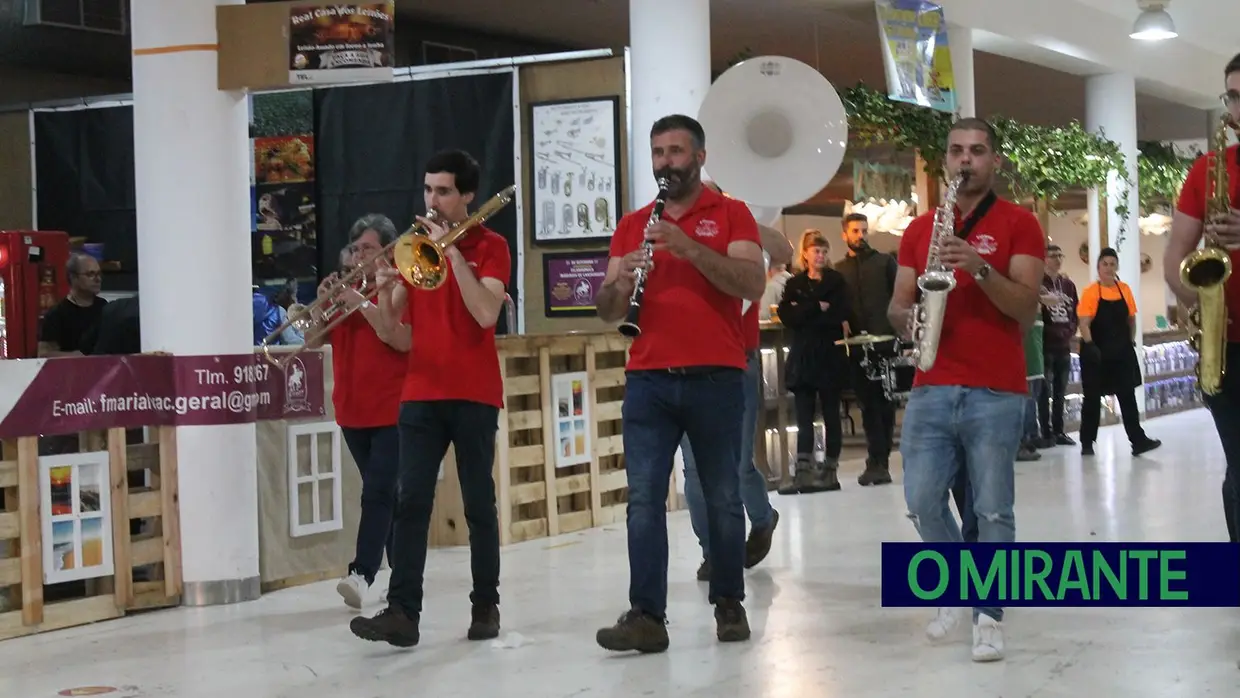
[{"x": 1016, "y": 63}]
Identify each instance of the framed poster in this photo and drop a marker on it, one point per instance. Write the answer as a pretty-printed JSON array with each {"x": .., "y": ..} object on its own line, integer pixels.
[
  {"x": 570, "y": 280},
  {"x": 575, "y": 169},
  {"x": 76, "y": 493},
  {"x": 572, "y": 438}
]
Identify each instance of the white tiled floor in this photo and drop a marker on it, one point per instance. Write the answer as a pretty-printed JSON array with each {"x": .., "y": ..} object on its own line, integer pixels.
[{"x": 814, "y": 605}]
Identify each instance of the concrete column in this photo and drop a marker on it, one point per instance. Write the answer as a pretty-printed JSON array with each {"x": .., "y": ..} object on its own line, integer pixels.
[
  {"x": 191, "y": 174},
  {"x": 1111, "y": 108},
  {"x": 960, "y": 43},
  {"x": 670, "y": 60}
]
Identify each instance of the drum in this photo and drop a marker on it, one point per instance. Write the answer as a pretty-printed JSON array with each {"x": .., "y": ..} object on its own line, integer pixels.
[{"x": 898, "y": 378}]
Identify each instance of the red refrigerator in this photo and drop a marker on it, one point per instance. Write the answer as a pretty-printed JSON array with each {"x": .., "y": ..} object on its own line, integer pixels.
[{"x": 32, "y": 280}]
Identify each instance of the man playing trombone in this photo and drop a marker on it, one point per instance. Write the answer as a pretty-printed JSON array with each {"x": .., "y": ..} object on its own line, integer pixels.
[
  {"x": 684, "y": 376},
  {"x": 368, "y": 367},
  {"x": 452, "y": 395}
]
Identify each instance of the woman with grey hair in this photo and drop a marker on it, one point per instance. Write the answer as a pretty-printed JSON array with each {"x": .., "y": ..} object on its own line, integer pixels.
[{"x": 369, "y": 358}]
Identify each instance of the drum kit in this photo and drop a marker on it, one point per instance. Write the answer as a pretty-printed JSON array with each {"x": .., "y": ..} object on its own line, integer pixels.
[{"x": 886, "y": 360}]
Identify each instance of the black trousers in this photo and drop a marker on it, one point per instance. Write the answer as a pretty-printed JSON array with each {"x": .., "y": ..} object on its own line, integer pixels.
[
  {"x": 376, "y": 450},
  {"x": 426, "y": 430},
  {"x": 1091, "y": 410},
  {"x": 1225, "y": 408},
  {"x": 1050, "y": 412},
  {"x": 806, "y": 402},
  {"x": 878, "y": 414}
]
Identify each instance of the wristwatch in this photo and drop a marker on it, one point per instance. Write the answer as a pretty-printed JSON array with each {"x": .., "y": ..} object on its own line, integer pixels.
[{"x": 982, "y": 272}]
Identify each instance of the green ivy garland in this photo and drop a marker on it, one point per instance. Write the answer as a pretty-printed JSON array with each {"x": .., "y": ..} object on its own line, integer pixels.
[{"x": 1161, "y": 171}]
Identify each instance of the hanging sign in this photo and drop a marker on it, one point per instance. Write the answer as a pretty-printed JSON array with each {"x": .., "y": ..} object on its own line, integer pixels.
[{"x": 916, "y": 54}]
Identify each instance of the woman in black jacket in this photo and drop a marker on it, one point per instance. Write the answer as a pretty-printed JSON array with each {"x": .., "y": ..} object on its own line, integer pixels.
[{"x": 815, "y": 308}]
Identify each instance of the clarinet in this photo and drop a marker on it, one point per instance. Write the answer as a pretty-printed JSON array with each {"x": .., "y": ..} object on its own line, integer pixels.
[{"x": 630, "y": 327}]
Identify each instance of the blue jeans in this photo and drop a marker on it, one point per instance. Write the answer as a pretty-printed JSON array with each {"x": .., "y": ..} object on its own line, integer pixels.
[
  {"x": 752, "y": 483},
  {"x": 660, "y": 407},
  {"x": 1037, "y": 387},
  {"x": 950, "y": 428},
  {"x": 376, "y": 450}
]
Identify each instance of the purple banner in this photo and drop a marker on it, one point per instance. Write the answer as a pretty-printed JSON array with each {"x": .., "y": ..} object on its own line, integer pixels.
[
  {"x": 66, "y": 395},
  {"x": 571, "y": 279}
]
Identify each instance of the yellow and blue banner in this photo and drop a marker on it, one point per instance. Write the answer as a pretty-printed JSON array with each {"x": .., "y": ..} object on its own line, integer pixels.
[
  {"x": 916, "y": 54},
  {"x": 1100, "y": 575}
]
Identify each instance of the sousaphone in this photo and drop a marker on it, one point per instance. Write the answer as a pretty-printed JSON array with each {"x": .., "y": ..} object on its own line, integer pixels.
[{"x": 776, "y": 131}]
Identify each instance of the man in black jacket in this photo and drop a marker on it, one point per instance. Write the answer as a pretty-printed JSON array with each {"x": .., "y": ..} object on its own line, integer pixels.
[{"x": 870, "y": 276}]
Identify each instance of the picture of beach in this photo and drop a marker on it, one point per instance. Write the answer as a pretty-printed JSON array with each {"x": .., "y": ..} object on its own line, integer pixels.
[
  {"x": 77, "y": 516},
  {"x": 572, "y": 426}
]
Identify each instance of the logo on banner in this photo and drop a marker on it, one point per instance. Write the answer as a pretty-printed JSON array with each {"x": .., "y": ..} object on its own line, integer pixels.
[{"x": 296, "y": 394}]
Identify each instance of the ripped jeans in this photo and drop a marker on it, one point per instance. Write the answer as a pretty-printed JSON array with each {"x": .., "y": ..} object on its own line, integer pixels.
[{"x": 947, "y": 428}]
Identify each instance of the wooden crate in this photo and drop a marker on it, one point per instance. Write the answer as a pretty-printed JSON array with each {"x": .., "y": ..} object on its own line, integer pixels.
[
  {"x": 146, "y": 542},
  {"x": 535, "y": 498}
]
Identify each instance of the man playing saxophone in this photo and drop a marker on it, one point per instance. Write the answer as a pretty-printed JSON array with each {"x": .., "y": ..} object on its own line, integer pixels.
[
  {"x": 966, "y": 412},
  {"x": 1205, "y": 209},
  {"x": 685, "y": 376}
]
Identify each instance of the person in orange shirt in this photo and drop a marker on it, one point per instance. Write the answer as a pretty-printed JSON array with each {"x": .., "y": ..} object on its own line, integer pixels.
[{"x": 1109, "y": 364}]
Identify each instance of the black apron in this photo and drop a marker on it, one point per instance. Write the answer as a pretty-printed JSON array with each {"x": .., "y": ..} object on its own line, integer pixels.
[{"x": 1119, "y": 369}]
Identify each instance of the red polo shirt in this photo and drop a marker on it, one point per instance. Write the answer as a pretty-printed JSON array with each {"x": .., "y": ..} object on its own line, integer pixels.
[
  {"x": 685, "y": 320},
  {"x": 366, "y": 374},
  {"x": 1193, "y": 203},
  {"x": 453, "y": 357},
  {"x": 980, "y": 347},
  {"x": 753, "y": 332}
]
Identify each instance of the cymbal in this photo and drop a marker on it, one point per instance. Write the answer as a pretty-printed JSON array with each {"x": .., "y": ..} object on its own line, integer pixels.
[{"x": 864, "y": 339}]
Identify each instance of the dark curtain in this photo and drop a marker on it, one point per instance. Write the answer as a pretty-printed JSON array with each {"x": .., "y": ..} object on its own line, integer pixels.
[
  {"x": 84, "y": 171},
  {"x": 372, "y": 141}
]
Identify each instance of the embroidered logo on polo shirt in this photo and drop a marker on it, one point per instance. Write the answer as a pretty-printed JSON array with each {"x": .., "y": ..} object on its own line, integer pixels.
[
  {"x": 706, "y": 229},
  {"x": 985, "y": 244}
]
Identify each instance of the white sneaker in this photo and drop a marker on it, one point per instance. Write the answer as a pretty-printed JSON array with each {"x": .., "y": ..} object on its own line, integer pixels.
[
  {"x": 944, "y": 622},
  {"x": 987, "y": 639},
  {"x": 353, "y": 590}
]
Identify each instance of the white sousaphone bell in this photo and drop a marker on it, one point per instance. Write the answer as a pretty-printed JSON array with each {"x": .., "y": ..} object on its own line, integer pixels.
[{"x": 777, "y": 132}]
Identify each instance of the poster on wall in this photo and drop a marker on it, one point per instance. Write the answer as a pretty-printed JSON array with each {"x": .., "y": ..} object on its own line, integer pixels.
[
  {"x": 916, "y": 55},
  {"x": 573, "y": 442},
  {"x": 348, "y": 42},
  {"x": 285, "y": 230},
  {"x": 576, "y": 169},
  {"x": 76, "y": 489},
  {"x": 570, "y": 280}
]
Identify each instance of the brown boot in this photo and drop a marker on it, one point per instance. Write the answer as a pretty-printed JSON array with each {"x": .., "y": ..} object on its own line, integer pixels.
[
  {"x": 390, "y": 625},
  {"x": 635, "y": 631},
  {"x": 824, "y": 477},
  {"x": 876, "y": 473},
  {"x": 731, "y": 623},
  {"x": 802, "y": 476},
  {"x": 759, "y": 544}
]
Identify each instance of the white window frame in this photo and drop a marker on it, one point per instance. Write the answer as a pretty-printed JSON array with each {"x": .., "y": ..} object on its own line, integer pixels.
[{"x": 316, "y": 478}]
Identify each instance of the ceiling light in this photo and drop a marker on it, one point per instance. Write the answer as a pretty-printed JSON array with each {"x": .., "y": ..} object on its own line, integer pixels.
[{"x": 1153, "y": 24}]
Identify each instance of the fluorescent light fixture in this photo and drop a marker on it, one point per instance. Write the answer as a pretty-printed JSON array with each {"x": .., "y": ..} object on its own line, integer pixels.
[{"x": 1153, "y": 24}]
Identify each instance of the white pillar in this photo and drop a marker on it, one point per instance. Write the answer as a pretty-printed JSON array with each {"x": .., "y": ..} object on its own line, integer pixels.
[
  {"x": 1111, "y": 107},
  {"x": 670, "y": 59},
  {"x": 960, "y": 44},
  {"x": 191, "y": 174}
]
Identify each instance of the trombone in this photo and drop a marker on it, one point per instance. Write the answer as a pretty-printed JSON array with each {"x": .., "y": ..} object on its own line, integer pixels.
[{"x": 418, "y": 258}]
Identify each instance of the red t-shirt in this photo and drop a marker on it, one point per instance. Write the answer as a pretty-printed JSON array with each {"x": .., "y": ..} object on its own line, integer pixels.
[
  {"x": 979, "y": 347},
  {"x": 367, "y": 375},
  {"x": 685, "y": 320},
  {"x": 453, "y": 357},
  {"x": 1193, "y": 203},
  {"x": 753, "y": 331}
]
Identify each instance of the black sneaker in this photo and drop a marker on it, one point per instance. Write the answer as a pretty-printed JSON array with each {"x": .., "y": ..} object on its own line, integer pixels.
[
  {"x": 1064, "y": 440},
  {"x": 484, "y": 622},
  {"x": 1145, "y": 446},
  {"x": 731, "y": 623},
  {"x": 390, "y": 625},
  {"x": 635, "y": 631}
]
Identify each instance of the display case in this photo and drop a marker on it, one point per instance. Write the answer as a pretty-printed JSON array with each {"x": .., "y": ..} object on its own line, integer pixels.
[{"x": 1170, "y": 379}]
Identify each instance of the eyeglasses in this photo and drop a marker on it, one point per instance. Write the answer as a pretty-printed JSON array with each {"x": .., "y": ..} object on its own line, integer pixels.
[{"x": 1229, "y": 98}]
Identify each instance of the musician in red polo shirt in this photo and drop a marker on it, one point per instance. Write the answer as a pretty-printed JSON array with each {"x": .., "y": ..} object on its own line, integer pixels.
[
  {"x": 1187, "y": 226},
  {"x": 966, "y": 414},
  {"x": 368, "y": 366},
  {"x": 452, "y": 395},
  {"x": 685, "y": 375},
  {"x": 763, "y": 518}
]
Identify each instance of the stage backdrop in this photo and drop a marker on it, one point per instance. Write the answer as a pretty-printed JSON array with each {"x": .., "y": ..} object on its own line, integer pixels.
[
  {"x": 372, "y": 141},
  {"x": 84, "y": 166}
]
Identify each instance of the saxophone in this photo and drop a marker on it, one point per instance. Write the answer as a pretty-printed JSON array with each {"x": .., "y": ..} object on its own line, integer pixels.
[
  {"x": 1206, "y": 271},
  {"x": 935, "y": 282}
]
